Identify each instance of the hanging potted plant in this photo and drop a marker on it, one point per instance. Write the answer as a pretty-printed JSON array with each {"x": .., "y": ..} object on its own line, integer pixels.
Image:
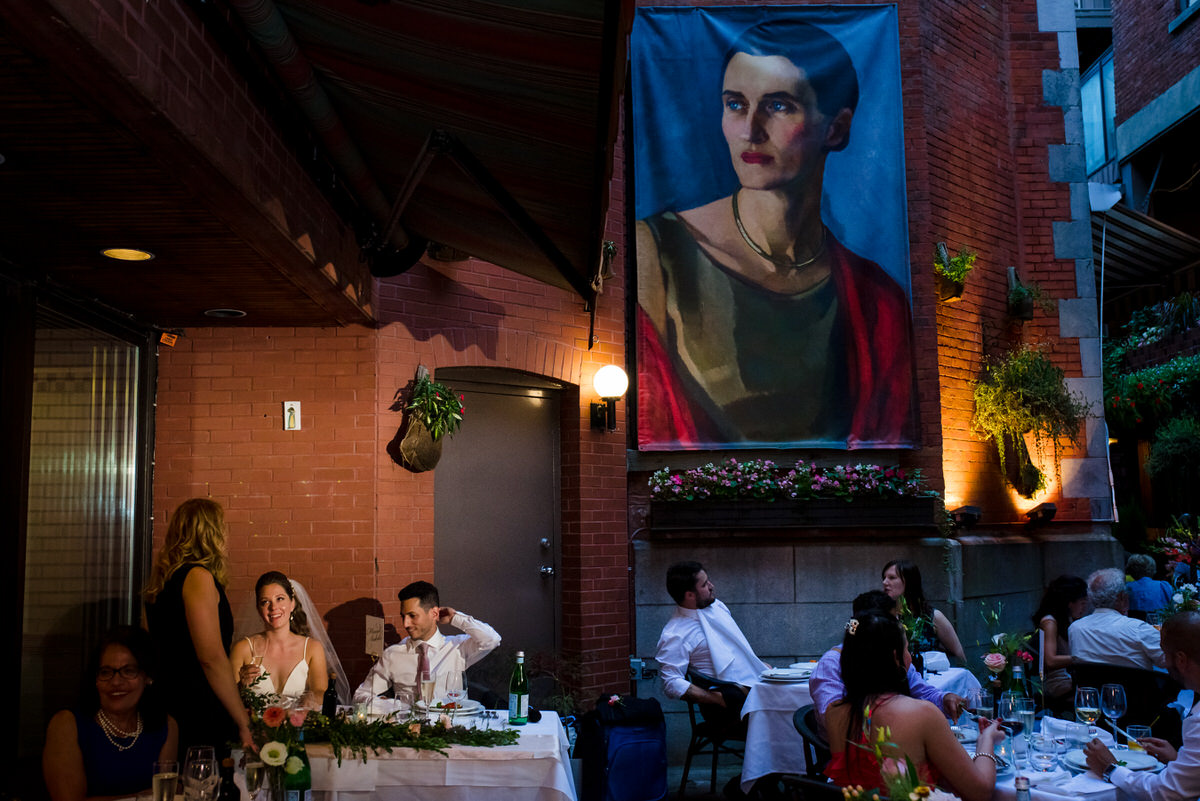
[
  {"x": 1023, "y": 297},
  {"x": 1024, "y": 393},
  {"x": 434, "y": 411},
  {"x": 951, "y": 271}
]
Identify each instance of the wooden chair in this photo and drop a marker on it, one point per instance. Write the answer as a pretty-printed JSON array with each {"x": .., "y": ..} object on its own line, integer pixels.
[{"x": 713, "y": 728}]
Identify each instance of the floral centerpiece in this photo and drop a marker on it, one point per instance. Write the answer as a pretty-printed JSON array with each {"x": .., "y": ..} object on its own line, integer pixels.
[
  {"x": 1185, "y": 599},
  {"x": 763, "y": 479},
  {"x": 278, "y": 735},
  {"x": 1006, "y": 651}
]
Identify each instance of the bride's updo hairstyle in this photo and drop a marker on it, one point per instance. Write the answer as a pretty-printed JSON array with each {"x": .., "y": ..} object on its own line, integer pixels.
[
  {"x": 872, "y": 662},
  {"x": 299, "y": 620}
]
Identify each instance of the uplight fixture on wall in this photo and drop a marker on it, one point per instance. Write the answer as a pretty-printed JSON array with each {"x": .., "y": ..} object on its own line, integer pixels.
[
  {"x": 610, "y": 383},
  {"x": 1041, "y": 514},
  {"x": 966, "y": 516}
]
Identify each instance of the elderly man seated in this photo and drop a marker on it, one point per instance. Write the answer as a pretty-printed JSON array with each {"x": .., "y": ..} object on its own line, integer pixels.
[{"x": 1108, "y": 636}]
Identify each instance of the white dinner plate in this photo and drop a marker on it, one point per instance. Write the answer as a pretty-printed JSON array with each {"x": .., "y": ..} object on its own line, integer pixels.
[
  {"x": 786, "y": 674},
  {"x": 469, "y": 707},
  {"x": 1134, "y": 760},
  {"x": 968, "y": 733}
]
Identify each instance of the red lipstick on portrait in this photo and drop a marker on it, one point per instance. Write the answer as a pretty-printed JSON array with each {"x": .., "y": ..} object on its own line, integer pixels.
[{"x": 756, "y": 158}]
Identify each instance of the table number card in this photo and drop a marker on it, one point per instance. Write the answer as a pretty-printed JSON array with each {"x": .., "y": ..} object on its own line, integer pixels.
[{"x": 374, "y": 644}]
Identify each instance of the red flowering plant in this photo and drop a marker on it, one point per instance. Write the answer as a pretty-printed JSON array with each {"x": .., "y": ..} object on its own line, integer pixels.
[{"x": 1005, "y": 651}]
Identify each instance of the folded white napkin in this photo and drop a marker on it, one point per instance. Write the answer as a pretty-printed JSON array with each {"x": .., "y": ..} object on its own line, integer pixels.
[
  {"x": 936, "y": 661},
  {"x": 1081, "y": 784},
  {"x": 1055, "y": 776},
  {"x": 1058, "y": 728}
]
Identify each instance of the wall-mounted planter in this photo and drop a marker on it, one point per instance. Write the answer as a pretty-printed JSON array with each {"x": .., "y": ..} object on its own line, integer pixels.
[
  {"x": 820, "y": 513},
  {"x": 420, "y": 451},
  {"x": 948, "y": 291},
  {"x": 1021, "y": 309}
]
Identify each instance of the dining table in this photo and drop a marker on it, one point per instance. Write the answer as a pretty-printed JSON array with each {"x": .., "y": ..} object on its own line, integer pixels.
[
  {"x": 536, "y": 768},
  {"x": 772, "y": 743}
]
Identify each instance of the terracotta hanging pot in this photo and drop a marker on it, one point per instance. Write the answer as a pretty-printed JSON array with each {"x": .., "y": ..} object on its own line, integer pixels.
[{"x": 419, "y": 449}]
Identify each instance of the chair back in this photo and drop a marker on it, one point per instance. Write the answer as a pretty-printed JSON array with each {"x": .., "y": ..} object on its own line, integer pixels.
[
  {"x": 821, "y": 789},
  {"x": 816, "y": 747},
  {"x": 727, "y": 716},
  {"x": 1147, "y": 692}
]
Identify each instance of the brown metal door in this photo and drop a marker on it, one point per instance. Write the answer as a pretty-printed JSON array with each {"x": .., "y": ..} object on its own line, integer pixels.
[{"x": 496, "y": 506}]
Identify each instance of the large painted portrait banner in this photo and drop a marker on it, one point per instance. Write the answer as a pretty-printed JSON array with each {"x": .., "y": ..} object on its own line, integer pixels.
[{"x": 772, "y": 239}]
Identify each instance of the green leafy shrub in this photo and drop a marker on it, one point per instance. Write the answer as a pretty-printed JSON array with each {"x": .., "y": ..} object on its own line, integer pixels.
[{"x": 956, "y": 267}]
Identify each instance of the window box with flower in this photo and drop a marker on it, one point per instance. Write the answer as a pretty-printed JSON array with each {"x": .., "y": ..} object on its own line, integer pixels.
[{"x": 758, "y": 494}]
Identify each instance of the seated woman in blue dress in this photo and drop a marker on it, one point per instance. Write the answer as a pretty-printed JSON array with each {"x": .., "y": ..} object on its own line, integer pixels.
[{"x": 107, "y": 746}]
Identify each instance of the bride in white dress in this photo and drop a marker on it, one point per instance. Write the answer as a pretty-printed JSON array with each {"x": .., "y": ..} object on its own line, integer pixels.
[{"x": 292, "y": 664}]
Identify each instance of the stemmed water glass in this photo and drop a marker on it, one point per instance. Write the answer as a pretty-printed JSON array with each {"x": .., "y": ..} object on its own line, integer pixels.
[
  {"x": 456, "y": 693},
  {"x": 1112, "y": 704},
  {"x": 1087, "y": 708},
  {"x": 200, "y": 777}
]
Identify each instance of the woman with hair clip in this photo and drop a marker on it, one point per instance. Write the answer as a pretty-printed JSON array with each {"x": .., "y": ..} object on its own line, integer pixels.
[
  {"x": 191, "y": 622},
  {"x": 933, "y": 632},
  {"x": 874, "y": 663},
  {"x": 281, "y": 660}
]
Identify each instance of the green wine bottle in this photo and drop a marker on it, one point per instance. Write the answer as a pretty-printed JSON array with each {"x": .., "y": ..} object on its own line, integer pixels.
[
  {"x": 518, "y": 694},
  {"x": 297, "y": 782}
]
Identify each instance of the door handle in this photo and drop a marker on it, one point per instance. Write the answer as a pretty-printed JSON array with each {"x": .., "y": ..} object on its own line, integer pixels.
[{"x": 546, "y": 570}]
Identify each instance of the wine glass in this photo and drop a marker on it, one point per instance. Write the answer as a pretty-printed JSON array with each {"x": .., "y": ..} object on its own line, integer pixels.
[
  {"x": 456, "y": 692},
  {"x": 1087, "y": 708},
  {"x": 1008, "y": 714},
  {"x": 1112, "y": 703},
  {"x": 200, "y": 777},
  {"x": 255, "y": 772}
]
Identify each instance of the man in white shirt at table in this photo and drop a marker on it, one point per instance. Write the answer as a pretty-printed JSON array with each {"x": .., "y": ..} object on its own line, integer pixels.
[
  {"x": 1181, "y": 778},
  {"x": 703, "y": 636},
  {"x": 426, "y": 648},
  {"x": 1108, "y": 636}
]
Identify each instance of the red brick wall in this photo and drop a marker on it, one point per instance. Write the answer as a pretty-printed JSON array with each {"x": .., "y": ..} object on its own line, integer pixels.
[{"x": 1147, "y": 58}]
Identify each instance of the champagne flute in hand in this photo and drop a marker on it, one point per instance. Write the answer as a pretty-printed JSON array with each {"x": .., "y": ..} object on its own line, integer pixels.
[
  {"x": 1112, "y": 704},
  {"x": 1087, "y": 708}
]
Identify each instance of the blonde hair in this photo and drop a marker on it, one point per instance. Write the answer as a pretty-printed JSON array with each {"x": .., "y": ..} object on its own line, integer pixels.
[{"x": 195, "y": 535}]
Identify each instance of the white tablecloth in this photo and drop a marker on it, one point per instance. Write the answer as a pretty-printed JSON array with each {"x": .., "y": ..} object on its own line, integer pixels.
[
  {"x": 772, "y": 743},
  {"x": 537, "y": 768},
  {"x": 954, "y": 680}
]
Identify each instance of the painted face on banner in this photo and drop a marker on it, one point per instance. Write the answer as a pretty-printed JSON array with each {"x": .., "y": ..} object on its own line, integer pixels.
[{"x": 771, "y": 123}]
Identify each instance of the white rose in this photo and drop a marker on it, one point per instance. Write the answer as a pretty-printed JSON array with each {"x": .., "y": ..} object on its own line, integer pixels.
[
  {"x": 273, "y": 753},
  {"x": 293, "y": 766},
  {"x": 1177, "y": 597}
]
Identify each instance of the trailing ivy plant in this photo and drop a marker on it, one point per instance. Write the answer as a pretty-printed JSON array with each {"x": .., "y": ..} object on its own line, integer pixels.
[{"x": 1024, "y": 393}]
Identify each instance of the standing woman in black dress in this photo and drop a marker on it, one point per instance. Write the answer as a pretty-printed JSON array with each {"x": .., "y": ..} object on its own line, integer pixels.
[{"x": 190, "y": 619}]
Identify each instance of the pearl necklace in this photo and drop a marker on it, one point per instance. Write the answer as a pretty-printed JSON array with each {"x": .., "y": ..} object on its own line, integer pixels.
[
  {"x": 776, "y": 260},
  {"x": 111, "y": 731}
]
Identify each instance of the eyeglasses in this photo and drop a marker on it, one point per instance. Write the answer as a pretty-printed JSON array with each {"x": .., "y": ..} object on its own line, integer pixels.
[{"x": 129, "y": 672}]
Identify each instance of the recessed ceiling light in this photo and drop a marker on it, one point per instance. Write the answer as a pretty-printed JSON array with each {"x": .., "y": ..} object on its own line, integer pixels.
[
  {"x": 226, "y": 314},
  {"x": 128, "y": 254}
]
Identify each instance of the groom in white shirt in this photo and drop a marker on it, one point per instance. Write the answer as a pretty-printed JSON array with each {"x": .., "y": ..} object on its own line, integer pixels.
[
  {"x": 703, "y": 636},
  {"x": 426, "y": 649}
]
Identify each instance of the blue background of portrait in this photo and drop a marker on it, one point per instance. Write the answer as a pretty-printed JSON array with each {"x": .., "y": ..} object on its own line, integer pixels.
[{"x": 681, "y": 160}]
